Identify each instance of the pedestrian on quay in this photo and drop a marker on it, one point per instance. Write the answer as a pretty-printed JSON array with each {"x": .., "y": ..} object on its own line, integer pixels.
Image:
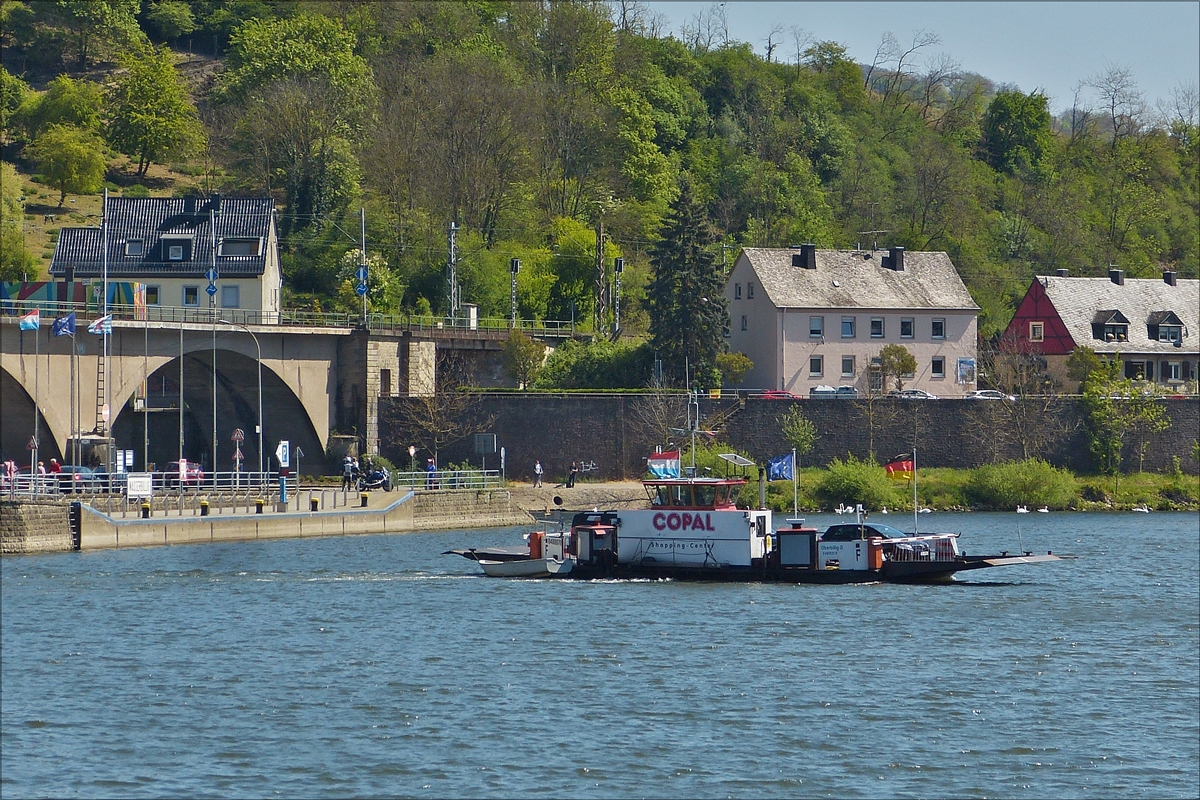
[
  {"x": 430, "y": 473},
  {"x": 347, "y": 472},
  {"x": 55, "y": 467},
  {"x": 571, "y": 477},
  {"x": 537, "y": 475}
]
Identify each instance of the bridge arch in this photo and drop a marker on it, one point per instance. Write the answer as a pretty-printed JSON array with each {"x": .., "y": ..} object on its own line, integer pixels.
[{"x": 17, "y": 424}]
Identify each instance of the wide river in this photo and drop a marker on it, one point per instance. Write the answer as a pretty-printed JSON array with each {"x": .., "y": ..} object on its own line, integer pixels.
[{"x": 374, "y": 665}]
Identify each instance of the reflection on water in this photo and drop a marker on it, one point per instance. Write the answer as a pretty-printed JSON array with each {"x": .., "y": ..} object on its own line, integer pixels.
[{"x": 377, "y": 666}]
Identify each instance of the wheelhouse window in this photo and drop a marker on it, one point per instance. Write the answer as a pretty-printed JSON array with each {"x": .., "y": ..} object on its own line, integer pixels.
[
  {"x": 847, "y": 327},
  {"x": 876, "y": 327},
  {"x": 191, "y": 295},
  {"x": 133, "y": 247},
  {"x": 816, "y": 365},
  {"x": 906, "y": 327},
  {"x": 1037, "y": 331},
  {"x": 847, "y": 366},
  {"x": 938, "y": 330},
  {"x": 937, "y": 367},
  {"x": 816, "y": 326}
]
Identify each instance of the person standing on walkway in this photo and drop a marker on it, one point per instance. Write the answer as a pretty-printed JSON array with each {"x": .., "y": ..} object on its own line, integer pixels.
[
  {"x": 537, "y": 475},
  {"x": 571, "y": 477},
  {"x": 347, "y": 472}
]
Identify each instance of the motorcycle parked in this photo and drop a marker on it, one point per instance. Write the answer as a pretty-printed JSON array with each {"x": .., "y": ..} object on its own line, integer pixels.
[{"x": 375, "y": 478}]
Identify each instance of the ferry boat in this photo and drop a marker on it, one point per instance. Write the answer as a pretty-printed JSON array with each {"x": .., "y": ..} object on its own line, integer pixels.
[{"x": 694, "y": 530}]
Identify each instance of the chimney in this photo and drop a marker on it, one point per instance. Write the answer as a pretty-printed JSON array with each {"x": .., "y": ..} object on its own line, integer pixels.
[
  {"x": 189, "y": 205},
  {"x": 1169, "y": 277},
  {"x": 895, "y": 260},
  {"x": 215, "y": 203},
  {"x": 1062, "y": 273},
  {"x": 808, "y": 256},
  {"x": 1117, "y": 276}
]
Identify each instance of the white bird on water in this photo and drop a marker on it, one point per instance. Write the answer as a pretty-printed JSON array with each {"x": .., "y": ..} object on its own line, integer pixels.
[
  {"x": 1044, "y": 510},
  {"x": 1022, "y": 510}
]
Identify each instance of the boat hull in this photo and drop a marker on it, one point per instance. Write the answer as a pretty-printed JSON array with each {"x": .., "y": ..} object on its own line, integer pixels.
[{"x": 528, "y": 568}]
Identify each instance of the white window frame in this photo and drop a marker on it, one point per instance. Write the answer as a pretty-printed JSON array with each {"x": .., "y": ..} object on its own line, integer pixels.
[
  {"x": 937, "y": 367},
  {"x": 174, "y": 252},
  {"x": 853, "y": 323},
  {"x": 1174, "y": 370},
  {"x": 1170, "y": 333},
  {"x": 933, "y": 326},
  {"x": 135, "y": 247},
  {"x": 816, "y": 327},
  {"x": 851, "y": 361},
  {"x": 912, "y": 327},
  {"x": 1037, "y": 331},
  {"x": 875, "y": 320},
  {"x": 819, "y": 363}
]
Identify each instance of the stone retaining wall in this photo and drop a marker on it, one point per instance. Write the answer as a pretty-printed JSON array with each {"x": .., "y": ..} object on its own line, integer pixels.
[
  {"x": 467, "y": 508},
  {"x": 35, "y": 527}
]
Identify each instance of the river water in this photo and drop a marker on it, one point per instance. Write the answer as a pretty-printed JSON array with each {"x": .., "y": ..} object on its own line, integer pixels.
[{"x": 374, "y": 665}]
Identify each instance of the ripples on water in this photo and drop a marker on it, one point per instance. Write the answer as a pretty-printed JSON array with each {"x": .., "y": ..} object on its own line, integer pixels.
[{"x": 376, "y": 666}]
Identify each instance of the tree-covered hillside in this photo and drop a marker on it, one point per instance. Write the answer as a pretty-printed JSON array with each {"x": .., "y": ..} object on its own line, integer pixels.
[{"x": 534, "y": 125}]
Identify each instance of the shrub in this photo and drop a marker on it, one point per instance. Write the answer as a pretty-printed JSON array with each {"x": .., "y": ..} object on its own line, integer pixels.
[
  {"x": 1031, "y": 482},
  {"x": 853, "y": 481},
  {"x": 136, "y": 190}
]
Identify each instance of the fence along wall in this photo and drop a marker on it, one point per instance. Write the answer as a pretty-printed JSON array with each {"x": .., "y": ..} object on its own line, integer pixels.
[{"x": 611, "y": 431}]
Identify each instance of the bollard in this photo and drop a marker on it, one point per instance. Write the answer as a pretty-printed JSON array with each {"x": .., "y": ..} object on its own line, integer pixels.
[
  {"x": 145, "y": 510},
  {"x": 362, "y": 500},
  {"x": 258, "y": 506},
  {"x": 204, "y": 507},
  {"x": 313, "y": 503}
]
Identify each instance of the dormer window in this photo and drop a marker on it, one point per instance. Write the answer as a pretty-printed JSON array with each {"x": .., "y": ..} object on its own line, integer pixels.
[
  {"x": 1165, "y": 326},
  {"x": 133, "y": 247},
  {"x": 176, "y": 248},
  {"x": 175, "y": 252},
  {"x": 1110, "y": 326},
  {"x": 241, "y": 246}
]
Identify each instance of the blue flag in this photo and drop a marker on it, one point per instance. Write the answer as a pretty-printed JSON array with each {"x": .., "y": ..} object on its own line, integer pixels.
[
  {"x": 64, "y": 326},
  {"x": 780, "y": 468}
]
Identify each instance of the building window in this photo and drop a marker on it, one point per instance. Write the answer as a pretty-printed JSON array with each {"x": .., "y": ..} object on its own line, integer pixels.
[
  {"x": 153, "y": 296},
  {"x": 1114, "y": 333},
  {"x": 938, "y": 367},
  {"x": 175, "y": 252},
  {"x": 876, "y": 375},
  {"x": 385, "y": 383},
  {"x": 191, "y": 295},
  {"x": 1170, "y": 333},
  {"x": 230, "y": 297},
  {"x": 847, "y": 327},
  {"x": 939, "y": 328},
  {"x": 240, "y": 247},
  {"x": 749, "y": 291},
  {"x": 1037, "y": 331},
  {"x": 876, "y": 327},
  {"x": 847, "y": 366},
  {"x": 816, "y": 365},
  {"x": 133, "y": 247},
  {"x": 737, "y": 291},
  {"x": 816, "y": 327},
  {"x": 743, "y": 322},
  {"x": 906, "y": 327},
  {"x": 1173, "y": 371}
]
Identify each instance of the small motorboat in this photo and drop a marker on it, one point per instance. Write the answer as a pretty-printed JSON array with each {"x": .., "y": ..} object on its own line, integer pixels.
[
  {"x": 528, "y": 568},
  {"x": 1022, "y": 509}
]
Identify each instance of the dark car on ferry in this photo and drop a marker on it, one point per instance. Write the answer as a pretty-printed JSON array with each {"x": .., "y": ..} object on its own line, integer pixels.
[{"x": 854, "y": 531}]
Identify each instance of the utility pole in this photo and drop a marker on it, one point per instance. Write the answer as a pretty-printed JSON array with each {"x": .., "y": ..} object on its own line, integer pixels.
[
  {"x": 618, "y": 268},
  {"x": 362, "y": 266},
  {"x": 601, "y": 282},
  {"x": 452, "y": 273}
]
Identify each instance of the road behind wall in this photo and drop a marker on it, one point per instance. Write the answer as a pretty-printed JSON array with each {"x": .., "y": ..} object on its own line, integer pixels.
[{"x": 607, "y": 429}]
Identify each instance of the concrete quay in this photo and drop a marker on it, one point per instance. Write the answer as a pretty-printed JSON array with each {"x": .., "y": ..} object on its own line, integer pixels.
[{"x": 45, "y": 526}]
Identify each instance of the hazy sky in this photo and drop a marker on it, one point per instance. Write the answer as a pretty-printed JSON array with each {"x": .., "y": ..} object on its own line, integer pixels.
[{"x": 1047, "y": 46}]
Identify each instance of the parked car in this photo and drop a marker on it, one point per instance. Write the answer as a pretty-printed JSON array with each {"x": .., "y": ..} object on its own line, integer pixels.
[
  {"x": 194, "y": 476},
  {"x": 76, "y": 479},
  {"x": 777, "y": 394},
  {"x": 989, "y": 394},
  {"x": 855, "y": 531},
  {"x": 830, "y": 393},
  {"x": 912, "y": 394}
]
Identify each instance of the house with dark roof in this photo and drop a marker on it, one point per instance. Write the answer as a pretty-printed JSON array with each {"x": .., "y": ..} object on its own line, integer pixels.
[
  {"x": 808, "y": 317},
  {"x": 1150, "y": 325},
  {"x": 171, "y": 243}
]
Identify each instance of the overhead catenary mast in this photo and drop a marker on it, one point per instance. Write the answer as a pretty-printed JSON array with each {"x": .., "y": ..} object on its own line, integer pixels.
[{"x": 452, "y": 273}]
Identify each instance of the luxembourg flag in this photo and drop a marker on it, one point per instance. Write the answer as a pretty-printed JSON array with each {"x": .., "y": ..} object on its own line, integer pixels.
[
  {"x": 32, "y": 321},
  {"x": 664, "y": 465},
  {"x": 102, "y": 325}
]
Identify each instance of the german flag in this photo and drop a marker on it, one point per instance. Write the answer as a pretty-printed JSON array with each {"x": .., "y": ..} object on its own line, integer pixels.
[{"x": 900, "y": 467}]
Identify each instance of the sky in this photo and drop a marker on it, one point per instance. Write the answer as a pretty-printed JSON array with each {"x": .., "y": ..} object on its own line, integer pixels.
[{"x": 1044, "y": 46}]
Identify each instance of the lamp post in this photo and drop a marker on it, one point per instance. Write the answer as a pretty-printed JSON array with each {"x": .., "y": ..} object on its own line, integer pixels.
[{"x": 260, "y": 416}]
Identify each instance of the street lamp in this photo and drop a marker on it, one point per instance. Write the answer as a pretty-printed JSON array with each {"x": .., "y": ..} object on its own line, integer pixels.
[{"x": 260, "y": 416}]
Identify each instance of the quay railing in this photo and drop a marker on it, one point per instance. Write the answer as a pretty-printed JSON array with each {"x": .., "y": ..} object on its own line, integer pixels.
[
  {"x": 430, "y": 325},
  {"x": 449, "y": 479}
]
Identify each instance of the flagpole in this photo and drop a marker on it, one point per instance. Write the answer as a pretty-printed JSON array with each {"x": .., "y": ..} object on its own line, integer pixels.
[
  {"x": 37, "y": 337},
  {"x": 108, "y": 441},
  {"x": 795, "y": 487},
  {"x": 914, "y": 482}
]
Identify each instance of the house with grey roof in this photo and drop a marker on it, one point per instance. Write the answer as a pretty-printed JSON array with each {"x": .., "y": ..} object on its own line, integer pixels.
[
  {"x": 171, "y": 243},
  {"x": 808, "y": 317},
  {"x": 1149, "y": 324}
]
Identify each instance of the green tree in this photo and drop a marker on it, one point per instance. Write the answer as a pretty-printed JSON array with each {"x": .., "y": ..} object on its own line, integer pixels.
[
  {"x": 15, "y": 259},
  {"x": 1117, "y": 407},
  {"x": 69, "y": 159},
  {"x": 13, "y": 92},
  {"x": 151, "y": 117},
  {"x": 523, "y": 357},
  {"x": 895, "y": 361},
  {"x": 1016, "y": 131},
  {"x": 733, "y": 367},
  {"x": 798, "y": 431},
  {"x": 1082, "y": 362},
  {"x": 170, "y": 19},
  {"x": 685, "y": 299},
  {"x": 65, "y": 102}
]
